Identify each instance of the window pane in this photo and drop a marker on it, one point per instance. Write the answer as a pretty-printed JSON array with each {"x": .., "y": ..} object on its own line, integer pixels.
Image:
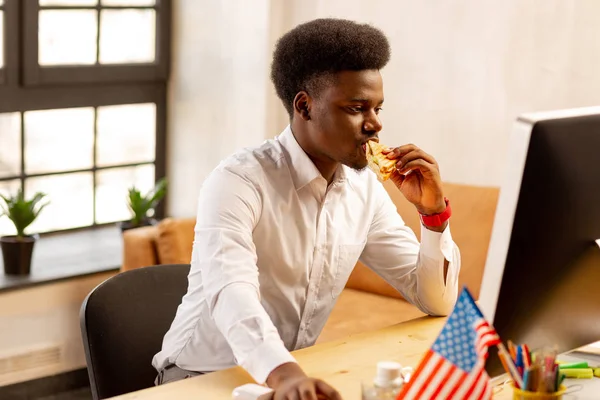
[
  {"x": 126, "y": 134},
  {"x": 128, "y": 2},
  {"x": 111, "y": 191},
  {"x": 127, "y": 36},
  {"x": 70, "y": 197},
  {"x": 67, "y": 37},
  {"x": 68, "y": 2},
  {"x": 8, "y": 188},
  {"x": 1, "y": 38},
  {"x": 10, "y": 144},
  {"x": 59, "y": 140}
]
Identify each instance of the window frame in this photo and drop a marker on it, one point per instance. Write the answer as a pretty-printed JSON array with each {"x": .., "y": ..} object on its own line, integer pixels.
[
  {"x": 34, "y": 74},
  {"x": 7, "y": 38},
  {"x": 16, "y": 96}
]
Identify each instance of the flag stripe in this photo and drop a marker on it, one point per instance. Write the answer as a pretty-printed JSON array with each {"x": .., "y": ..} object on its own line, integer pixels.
[
  {"x": 465, "y": 391},
  {"x": 487, "y": 393},
  {"x": 421, "y": 383},
  {"x": 437, "y": 380},
  {"x": 446, "y": 379},
  {"x": 432, "y": 375},
  {"x": 488, "y": 337},
  {"x": 413, "y": 385},
  {"x": 480, "y": 386},
  {"x": 457, "y": 386},
  {"x": 445, "y": 393}
]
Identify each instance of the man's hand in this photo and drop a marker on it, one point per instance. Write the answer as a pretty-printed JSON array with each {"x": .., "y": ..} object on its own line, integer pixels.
[
  {"x": 291, "y": 383},
  {"x": 417, "y": 176}
]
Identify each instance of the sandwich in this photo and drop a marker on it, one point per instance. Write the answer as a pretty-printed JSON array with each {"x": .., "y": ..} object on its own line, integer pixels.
[{"x": 378, "y": 162}]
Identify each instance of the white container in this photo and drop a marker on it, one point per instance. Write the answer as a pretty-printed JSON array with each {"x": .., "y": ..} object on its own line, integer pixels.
[{"x": 388, "y": 381}]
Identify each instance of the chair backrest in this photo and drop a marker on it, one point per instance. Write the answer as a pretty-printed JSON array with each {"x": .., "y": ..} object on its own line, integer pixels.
[{"x": 123, "y": 321}]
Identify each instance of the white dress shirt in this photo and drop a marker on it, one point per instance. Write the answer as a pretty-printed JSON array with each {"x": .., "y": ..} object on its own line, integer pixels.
[{"x": 274, "y": 246}]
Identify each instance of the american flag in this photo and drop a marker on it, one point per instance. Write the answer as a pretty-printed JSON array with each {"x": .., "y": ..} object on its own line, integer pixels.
[{"x": 454, "y": 366}]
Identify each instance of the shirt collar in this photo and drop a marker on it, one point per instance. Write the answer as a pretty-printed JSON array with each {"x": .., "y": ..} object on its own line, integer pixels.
[{"x": 302, "y": 168}]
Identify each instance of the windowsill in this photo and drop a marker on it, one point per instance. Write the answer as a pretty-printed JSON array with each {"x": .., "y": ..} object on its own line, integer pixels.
[{"x": 69, "y": 255}]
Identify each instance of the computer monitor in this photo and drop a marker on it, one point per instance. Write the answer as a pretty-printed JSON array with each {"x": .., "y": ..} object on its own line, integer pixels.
[{"x": 541, "y": 283}]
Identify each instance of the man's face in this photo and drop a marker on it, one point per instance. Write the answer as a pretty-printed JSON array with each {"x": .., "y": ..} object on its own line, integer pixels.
[{"x": 345, "y": 117}]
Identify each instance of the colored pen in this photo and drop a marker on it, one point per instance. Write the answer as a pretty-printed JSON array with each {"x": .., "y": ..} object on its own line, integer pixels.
[
  {"x": 511, "y": 366},
  {"x": 526, "y": 380},
  {"x": 511, "y": 350},
  {"x": 526, "y": 356},
  {"x": 519, "y": 360}
]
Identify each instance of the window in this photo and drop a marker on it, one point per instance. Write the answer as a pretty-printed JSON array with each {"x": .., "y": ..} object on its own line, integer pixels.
[
  {"x": 82, "y": 105},
  {"x": 95, "y": 41},
  {"x": 1, "y": 41}
]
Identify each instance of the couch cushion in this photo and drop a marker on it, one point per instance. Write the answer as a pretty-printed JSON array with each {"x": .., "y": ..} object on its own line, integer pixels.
[
  {"x": 473, "y": 210},
  {"x": 358, "y": 311},
  {"x": 175, "y": 239},
  {"x": 139, "y": 248}
]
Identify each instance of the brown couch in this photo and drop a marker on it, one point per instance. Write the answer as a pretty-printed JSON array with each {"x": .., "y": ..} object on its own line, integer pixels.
[{"x": 367, "y": 302}]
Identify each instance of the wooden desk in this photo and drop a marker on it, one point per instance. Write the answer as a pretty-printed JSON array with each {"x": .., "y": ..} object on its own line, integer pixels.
[{"x": 343, "y": 363}]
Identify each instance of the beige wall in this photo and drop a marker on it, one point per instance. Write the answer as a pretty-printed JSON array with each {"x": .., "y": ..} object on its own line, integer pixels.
[
  {"x": 461, "y": 71},
  {"x": 39, "y": 329}
]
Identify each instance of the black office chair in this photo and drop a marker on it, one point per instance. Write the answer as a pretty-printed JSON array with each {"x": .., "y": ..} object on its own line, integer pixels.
[{"x": 123, "y": 321}]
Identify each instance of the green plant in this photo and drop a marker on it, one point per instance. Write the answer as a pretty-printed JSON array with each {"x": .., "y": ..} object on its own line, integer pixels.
[
  {"x": 140, "y": 205},
  {"x": 20, "y": 211}
]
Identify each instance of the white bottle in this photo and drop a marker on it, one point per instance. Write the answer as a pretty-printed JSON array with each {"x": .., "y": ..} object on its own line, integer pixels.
[{"x": 387, "y": 382}]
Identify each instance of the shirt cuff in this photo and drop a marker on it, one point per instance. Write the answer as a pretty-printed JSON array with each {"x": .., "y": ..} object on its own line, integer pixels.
[
  {"x": 437, "y": 245},
  {"x": 265, "y": 358}
]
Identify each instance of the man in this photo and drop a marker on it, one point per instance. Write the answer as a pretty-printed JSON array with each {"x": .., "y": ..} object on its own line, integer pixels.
[{"x": 281, "y": 226}]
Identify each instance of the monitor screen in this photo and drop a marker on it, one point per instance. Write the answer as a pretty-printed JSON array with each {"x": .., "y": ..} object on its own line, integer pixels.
[{"x": 541, "y": 283}]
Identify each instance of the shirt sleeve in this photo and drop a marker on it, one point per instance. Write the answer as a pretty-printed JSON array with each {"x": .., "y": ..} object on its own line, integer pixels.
[
  {"x": 228, "y": 210},
  {"x": 415, "y": 269}
]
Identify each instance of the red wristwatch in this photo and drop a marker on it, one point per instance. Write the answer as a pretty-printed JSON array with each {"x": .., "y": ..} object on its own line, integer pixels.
[{"x": 439, "y": 219}]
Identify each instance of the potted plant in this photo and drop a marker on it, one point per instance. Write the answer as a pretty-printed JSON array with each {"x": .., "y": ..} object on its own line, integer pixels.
[
  {"x": 142, "y": 206},
  {"x": 17, "y": 250}
]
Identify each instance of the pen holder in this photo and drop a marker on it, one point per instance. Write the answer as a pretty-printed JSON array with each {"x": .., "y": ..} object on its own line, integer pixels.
[{"x": 519, "y": 394}]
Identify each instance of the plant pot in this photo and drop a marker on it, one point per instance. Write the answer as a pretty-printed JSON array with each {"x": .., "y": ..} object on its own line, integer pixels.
[
  {"x": 17, "y": 254},
  {"x": 126, "y": 225}
]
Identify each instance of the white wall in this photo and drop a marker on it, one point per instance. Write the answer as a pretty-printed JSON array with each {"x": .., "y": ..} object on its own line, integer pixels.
[
  {"x": 461, "y": 71},
  {"x": 217, "y": 92},
  {"x": 43, "y": 319}
]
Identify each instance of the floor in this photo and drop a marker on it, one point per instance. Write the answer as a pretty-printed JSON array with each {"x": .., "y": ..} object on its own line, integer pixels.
[{"x": 73, "y": 385}]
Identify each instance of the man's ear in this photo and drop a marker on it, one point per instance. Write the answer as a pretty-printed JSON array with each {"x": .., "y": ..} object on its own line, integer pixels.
[{"x": 302, "y": 104}]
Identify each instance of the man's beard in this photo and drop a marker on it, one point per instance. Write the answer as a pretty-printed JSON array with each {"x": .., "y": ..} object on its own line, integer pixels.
[
  {"x": 357, "y": 161},
  {"x": 357, "y": 165}
]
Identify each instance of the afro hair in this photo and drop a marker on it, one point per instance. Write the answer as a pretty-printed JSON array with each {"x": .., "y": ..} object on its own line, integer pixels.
[{"x": 319, "y": 48}]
